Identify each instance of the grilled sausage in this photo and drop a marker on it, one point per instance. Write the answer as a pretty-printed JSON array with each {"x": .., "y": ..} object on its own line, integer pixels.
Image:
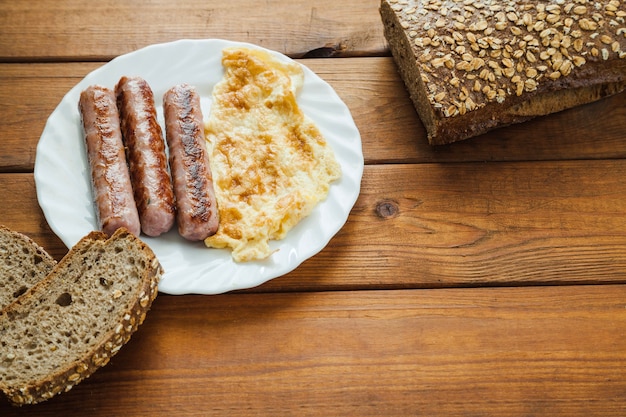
[
  {"x": 112, "y": 191},
  {"x": 147, "y": 161},
  {"x": 197, "y": 214}
]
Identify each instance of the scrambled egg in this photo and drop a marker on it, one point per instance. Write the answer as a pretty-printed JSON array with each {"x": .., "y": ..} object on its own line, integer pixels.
[{"x": 271, "y": 165}]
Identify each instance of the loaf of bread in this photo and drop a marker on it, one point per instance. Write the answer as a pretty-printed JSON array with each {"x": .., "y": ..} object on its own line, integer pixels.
[
  {"x": 23, "y": 263},
  {"x": 474, "y": 65},
  {"x": 73, "y": 321}
]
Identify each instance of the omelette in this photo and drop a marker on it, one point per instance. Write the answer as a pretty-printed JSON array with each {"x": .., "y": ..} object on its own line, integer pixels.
[{"x": 271, "y": 164}]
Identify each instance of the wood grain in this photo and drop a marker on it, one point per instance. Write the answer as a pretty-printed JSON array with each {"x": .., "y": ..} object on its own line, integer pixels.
[
  {"x": 20, "y": 211},
  {"x": 537, "y": 351},
  {"x": 49, "y": 30},
  {"x": 390, "y": 130},
  {"x": 477, "y": 224},
  {"x": 466, "y": 224}
]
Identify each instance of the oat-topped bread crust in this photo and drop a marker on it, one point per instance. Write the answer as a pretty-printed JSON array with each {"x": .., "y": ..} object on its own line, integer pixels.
[
  {"x": 474, "y": 65},
  {"x": 23, "y": 263},
  {"x": 72, "y": 322}
]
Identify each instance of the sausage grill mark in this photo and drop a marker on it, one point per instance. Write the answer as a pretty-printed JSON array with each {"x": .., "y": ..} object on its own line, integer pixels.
[
  {"x": 145, "y": 146},
  {"x": 110, "y": 178},
  {"x": 197, "y": 214}
]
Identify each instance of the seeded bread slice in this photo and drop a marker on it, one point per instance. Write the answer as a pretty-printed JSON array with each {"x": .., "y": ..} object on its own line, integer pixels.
[
  {"x": 472, "y": 66},
  {"x": 23, "y": 263},
  {"x": 72, "y": 322}
]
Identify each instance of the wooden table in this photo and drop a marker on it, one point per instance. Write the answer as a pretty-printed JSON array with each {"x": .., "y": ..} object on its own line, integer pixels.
[{"x": 479, "y": 279}]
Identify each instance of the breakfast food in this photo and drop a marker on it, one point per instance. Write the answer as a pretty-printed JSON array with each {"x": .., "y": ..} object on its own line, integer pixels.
[
  {"x": 23, "y": 263},
  {"x": 247, "y": 176},
  {"x": 72, "y": 322},
  {"x": 475, "y": 65},
  {"x": 271, "y": 164},
  {"x": 147, "y": 161},
  {"x": 112, "y": 191},
  {"x": 196, "y": 209}
]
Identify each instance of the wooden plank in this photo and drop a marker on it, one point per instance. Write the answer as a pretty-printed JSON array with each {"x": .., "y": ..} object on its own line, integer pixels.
[
  {"x": 20, "y": 211},
  {"x": 448, "y": 225},
  {"x": 537, "y": 351},
  {"x": 478, "y": 224},
  {"x": 72, "y": 30},
  {"x": 390, "y": 129},
  {"x": 29, "y": 93}
]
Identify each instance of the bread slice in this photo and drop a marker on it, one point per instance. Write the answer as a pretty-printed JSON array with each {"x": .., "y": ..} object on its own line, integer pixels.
[
  {"x": 72, "y": 322},
  {"x": 472, "y": 66},
  {"x": 23, "y": 263}
]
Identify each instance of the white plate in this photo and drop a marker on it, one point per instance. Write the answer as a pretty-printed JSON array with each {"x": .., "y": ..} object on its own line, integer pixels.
[{"x": 64, "y": 189}]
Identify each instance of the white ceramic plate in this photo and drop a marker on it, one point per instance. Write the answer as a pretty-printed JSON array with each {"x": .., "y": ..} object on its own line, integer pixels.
[{"x": 64, "y": 189}]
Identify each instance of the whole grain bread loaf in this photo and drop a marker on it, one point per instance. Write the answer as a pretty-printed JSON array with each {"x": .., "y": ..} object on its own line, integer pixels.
[
  {"x": 23, "y": 263},
  {"x": 73, "y": 321},
  {"x": 474, "y": 65}
]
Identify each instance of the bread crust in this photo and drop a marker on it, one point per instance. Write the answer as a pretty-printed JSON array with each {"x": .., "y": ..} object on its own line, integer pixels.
[
  {"x": 69, "y": 374},
  {"x": 470, "y": 68}
]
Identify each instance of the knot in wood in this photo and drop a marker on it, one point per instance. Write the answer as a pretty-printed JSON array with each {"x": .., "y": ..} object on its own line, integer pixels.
[{"x": 387, "y": 209}]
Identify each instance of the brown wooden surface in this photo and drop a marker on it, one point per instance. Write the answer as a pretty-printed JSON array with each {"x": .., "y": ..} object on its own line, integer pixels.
[
  {"x": 75, "y": 30},
  {"x": 390, "y": 129},
  {"x": 478, "y": 279},
  {"x": 477, "y": 352}
]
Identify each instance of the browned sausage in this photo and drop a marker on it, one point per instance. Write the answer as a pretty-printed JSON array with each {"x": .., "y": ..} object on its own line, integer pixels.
[
  {"x": 145, "y": 148},
  {"x": 113, "y": 194},
  {"x": 197, "y": 214}
]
